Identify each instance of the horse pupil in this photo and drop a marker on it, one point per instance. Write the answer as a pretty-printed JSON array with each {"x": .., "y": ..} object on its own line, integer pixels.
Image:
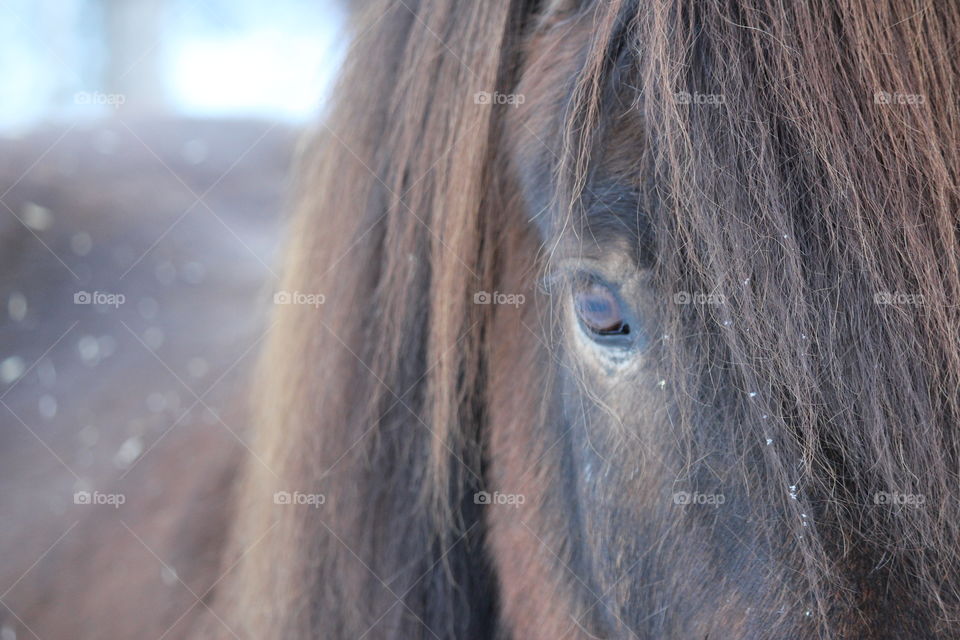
[{"x": 599, "y": 310}]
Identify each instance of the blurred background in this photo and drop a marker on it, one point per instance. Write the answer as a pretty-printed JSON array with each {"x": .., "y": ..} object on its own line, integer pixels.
[
  {"x": 145, "y": 157},
  {"x": 64, "y": 60}
]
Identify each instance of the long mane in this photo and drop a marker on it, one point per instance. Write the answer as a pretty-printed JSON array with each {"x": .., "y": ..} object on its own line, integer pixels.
[
  {"x": 826, "y": 212},
  {"x": 375, "y": 399},
  {"x": 809, "y": 197},
  {"x": 812, "y": 200}
]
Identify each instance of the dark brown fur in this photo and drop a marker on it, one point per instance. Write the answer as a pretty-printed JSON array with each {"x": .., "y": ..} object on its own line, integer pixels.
[{"x": 799, "y": 198}]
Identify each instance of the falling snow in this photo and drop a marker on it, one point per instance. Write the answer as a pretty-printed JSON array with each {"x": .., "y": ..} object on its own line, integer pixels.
[
  {"x": 195, "y": 151},
  {"x": 128, "y": 452},
  {"x": 36, "y": 217},
  {"x": 148, "y": 308},
  {"x": 11, "y": 369},
  {"x": 17, "y": 306},
  {"x": 81, "y": 243},
  {"x": 165, "y": 272},
  {"x": 89, "y": 436},
  {"x": 48, "y": 406},
  {"x": 153, "y": 337},
  {"x": 156, "y": 402},
  {"x": 193, "y": 273},
  {"x": 89, "y": 349}
]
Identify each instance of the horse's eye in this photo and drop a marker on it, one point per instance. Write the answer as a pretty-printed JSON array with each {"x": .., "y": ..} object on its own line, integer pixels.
[{"x": 599, "y": 309}]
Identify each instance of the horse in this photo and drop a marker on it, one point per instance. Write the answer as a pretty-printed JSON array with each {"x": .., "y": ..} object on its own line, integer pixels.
[
  {"x": 615, "y": 319},
  {"x": 640, "y": 322}
]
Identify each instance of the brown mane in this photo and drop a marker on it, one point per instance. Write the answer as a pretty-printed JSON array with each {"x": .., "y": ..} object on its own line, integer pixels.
[
  {"x": 801, "y": 198},
  {"x": 398, "y": 205}
]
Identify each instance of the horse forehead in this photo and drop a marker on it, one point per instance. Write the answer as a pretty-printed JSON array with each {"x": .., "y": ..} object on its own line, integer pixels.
[{"x": 554, "y": 57}]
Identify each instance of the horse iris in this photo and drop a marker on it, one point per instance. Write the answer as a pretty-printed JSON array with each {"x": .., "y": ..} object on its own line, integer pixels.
[{"x": 599, "y": 309}]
